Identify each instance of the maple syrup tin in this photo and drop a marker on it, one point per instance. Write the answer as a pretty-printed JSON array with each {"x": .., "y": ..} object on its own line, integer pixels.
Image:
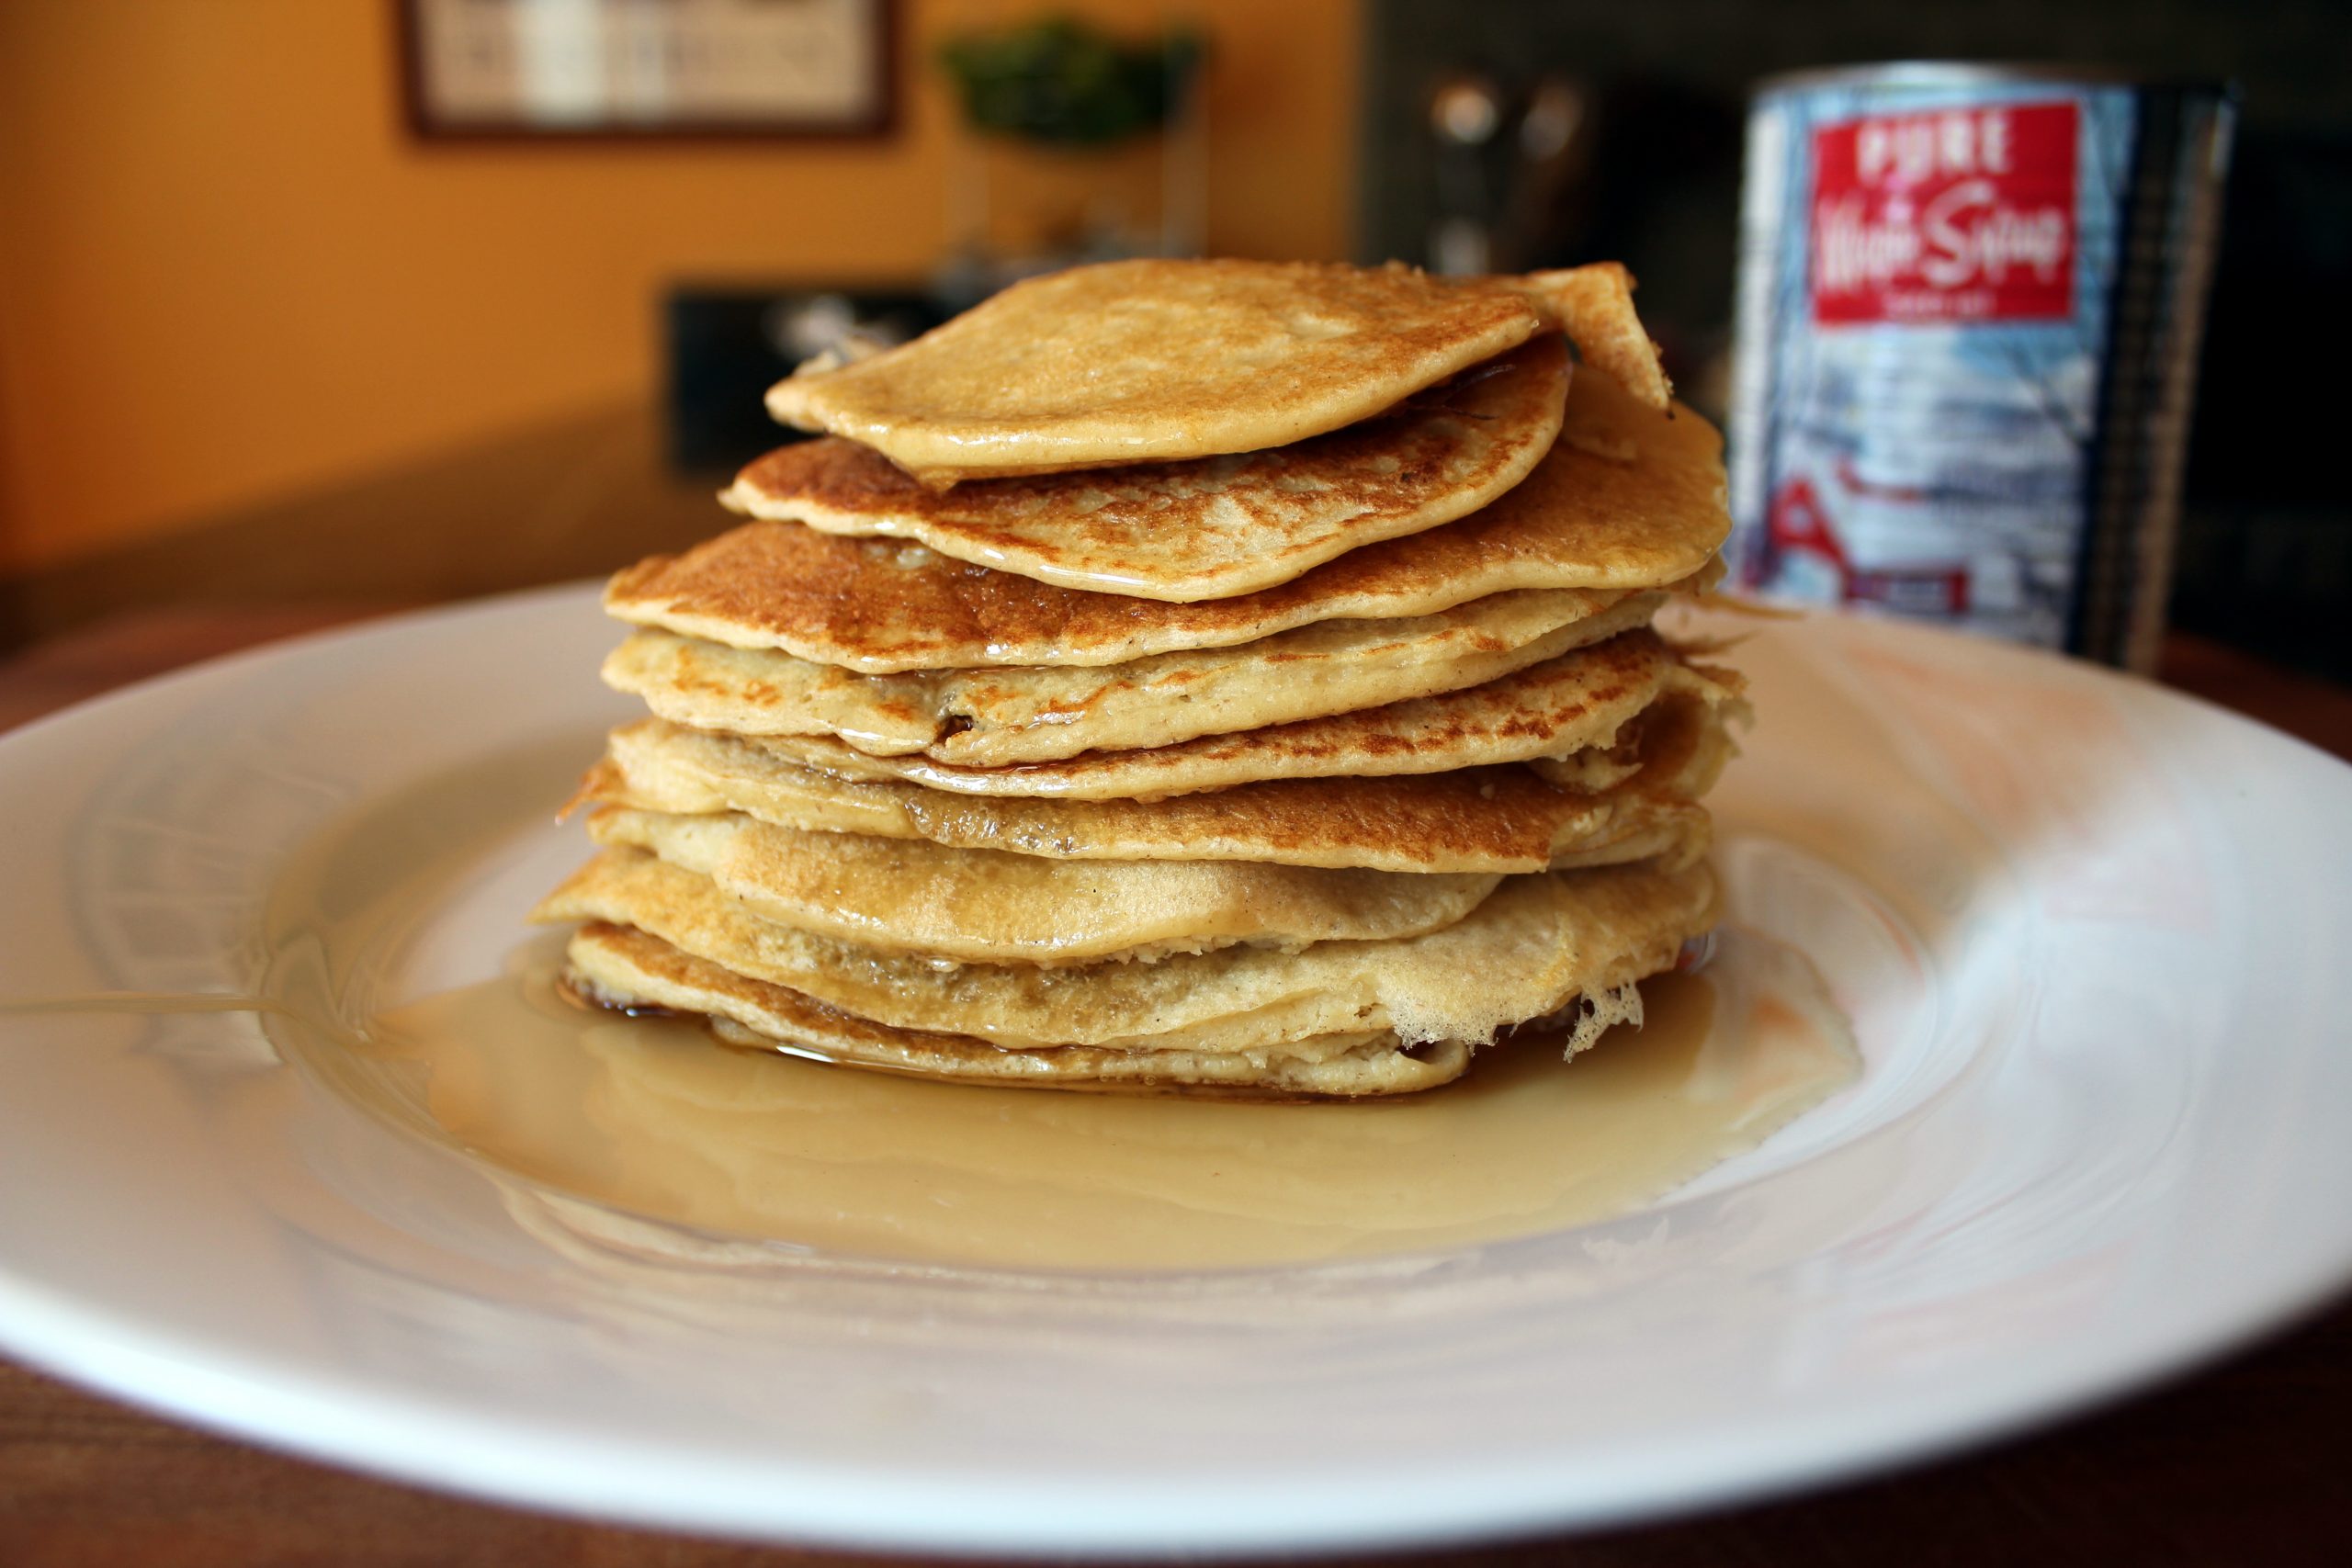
[{"x": 1970, "y": 301}]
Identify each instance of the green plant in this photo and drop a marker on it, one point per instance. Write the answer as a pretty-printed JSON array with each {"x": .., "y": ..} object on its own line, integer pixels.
[{"x": 1065, "y": 83}]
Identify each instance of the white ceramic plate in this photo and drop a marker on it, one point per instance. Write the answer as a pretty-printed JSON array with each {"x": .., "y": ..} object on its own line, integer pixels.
[{"x": 2092, "y": 936}]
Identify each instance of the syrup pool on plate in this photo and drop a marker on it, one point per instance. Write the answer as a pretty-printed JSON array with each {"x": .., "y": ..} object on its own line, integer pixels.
[{"x": 654, "y": 1117}]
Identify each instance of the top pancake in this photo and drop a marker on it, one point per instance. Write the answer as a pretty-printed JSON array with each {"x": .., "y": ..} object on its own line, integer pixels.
[
  {"x": 1594, "y": 305},
  {"x": 1206, "y": 527},
  {"x": 1628, "y": 498},
  {"x": 1148, "y": 360}
]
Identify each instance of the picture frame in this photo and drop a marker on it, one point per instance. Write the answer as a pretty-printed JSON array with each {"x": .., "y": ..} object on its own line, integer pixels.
[{"x": 572, "y": 71}]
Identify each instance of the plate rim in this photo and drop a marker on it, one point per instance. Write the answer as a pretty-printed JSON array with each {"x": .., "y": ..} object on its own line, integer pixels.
[{"x": 839, "y": 1508}]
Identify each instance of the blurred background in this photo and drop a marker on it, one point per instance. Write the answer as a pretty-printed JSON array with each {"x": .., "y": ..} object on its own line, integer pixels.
[{"x": 394, "y": 301}]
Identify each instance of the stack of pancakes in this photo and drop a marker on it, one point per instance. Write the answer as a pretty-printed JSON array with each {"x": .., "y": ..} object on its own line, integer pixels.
[{"x": 1218, "y": 675}]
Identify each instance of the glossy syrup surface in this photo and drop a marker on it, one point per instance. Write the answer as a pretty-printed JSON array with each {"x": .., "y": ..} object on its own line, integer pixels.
[
  {"x": 369, "y": 922},
  {"x": 654, "y": 1117}
]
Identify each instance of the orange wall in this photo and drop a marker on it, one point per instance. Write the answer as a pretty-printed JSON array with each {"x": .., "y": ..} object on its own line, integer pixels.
[{"x": 227, "y": 274}]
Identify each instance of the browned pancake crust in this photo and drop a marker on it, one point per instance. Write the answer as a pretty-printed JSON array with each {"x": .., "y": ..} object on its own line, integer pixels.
[
  {"x": 1626, "y": 500},
  {"x": 1568, "y": 703},
  {"x": 1595, "y": 304},
  {"x": 1205, "y": 528},
  {"x": 1152, "y": 359},
  {"x": 1499, "y": 818}
]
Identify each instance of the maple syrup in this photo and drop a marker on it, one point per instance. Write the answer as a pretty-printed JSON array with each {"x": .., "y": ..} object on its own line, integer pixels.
[{"x": 656, "y": 1118}]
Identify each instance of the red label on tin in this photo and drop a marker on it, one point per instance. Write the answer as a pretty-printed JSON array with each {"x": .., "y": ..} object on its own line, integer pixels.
[{"x": 1953, "y": 215}]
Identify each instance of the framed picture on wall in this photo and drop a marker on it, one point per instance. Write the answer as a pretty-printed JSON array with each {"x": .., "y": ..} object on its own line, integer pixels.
[{"x": 600, "y": 69}]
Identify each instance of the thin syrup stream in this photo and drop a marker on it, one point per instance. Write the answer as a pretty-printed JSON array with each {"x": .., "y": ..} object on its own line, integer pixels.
[{"x": 158, "y": 1004}]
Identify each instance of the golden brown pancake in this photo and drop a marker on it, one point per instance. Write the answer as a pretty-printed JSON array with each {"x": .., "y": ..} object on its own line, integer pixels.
[
  {"x": 1152, "y": 360},
  {"x": 619, "y": 966},
  {"x": 1207, "y": 527},
  {"x": 897, "y": 896},
  {"x": 1001, "y": 717},
  {"x": 1628, "y": 499},
  {"x": 1563, "y": 706},
  {"x": 1276, "y": 712},
  {"x": 1483, "y": 819},
  {"x": 1502, "y": 818},
  {"x": 1595, "y": 304},
  {"x": 1536, "y": 942}
]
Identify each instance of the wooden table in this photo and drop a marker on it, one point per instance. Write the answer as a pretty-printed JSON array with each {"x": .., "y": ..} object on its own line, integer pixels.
[{"x": 2243, "y": 1463}]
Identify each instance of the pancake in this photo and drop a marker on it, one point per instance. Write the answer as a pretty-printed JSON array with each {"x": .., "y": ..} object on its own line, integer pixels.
[
  {"x": 1152, "y": 360},
  {"x": 1627, "y": 499},
  {"x": 1224, "y": 675},
  {"x": 617, "y": 966},
  {"x": 1595, "y": 304},
  {"x": 1534, "y": 944},
  {"x": 1560, "y": 706},
  {"x": 1204, "y": 528},
  {"x": 1503, "y": 818},
  {"x": 1001, "y": 717},
  {"x": 986, "y": 906}
]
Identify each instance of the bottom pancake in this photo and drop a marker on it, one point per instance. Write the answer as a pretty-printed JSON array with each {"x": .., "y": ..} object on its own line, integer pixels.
[
  {"x": 1523, "y": 953},
  {"x": 618, "y": 966}
]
